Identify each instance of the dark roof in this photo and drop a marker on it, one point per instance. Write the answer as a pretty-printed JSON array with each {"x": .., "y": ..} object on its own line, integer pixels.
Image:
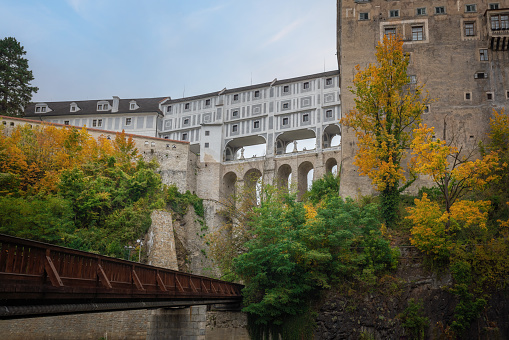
[{"x": 90, "y": 107}]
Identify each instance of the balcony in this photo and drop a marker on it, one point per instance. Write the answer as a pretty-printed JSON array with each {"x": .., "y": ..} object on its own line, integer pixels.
[{"x": 498, "y": 29}]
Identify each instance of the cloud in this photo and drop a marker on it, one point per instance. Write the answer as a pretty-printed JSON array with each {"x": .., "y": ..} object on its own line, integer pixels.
[{"x": 285, "y": 31}]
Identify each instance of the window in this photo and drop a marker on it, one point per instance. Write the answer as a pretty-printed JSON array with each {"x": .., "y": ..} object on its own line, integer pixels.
[
  {"x": 328, "y": 81},
  {"x": 483, "y": 54},
  {"x": 421, "y": 11},
  {"x": 94, "y": 123},
  {"x": 494, "y": 6},
  {"x": 394, "y": 13},
  {"x": 412, "y": 79},
  {"x": 207, "y": 133},
  {"x": 440, "y": 10},
  {"x": 470, "y": 8},
  {"x": 286, "y": 105},
  {"x": 480, "y": 75},
  {"x": 500, "y": 22},
  {"x": 168, "y": 108},
  {"x": 489, "y": 95},
  {"x": 286, "y": 89},
  {"x": 73, "y": 108},
  {"x": 40, "y": 109},
  {"x": 186, "y": 121},
  {"x": 390, "y": 31},
  {"x": 132, "y": 106},
  {"x": 128, "y": 121},
  {"x": 235, "y": 113},
  {"x": 506, "y": 94},
  {"x": 206, "y": 145},
  {"x": 469, "y": 29},
  {"x": 328, "y": 114},
  {"x": 306, "y": 85},
  {"x": 417, "y": 33},
  {"x": 468, "y": 96},
  {"x": 184, "y": 136},
  {"x": 363, "y": 16},
  {"x": 256, "y": 124},
  {"x": 99, "y": 107},
  {"x": 235, "y": 128},
  {"x": 305, "y": 117},
  {"x": 106, "y": 106},
  {"x": 99, "y": 122},
  {"x": 207, "y": 102},
  {"x": 186, "y": 106},
  {"x": 235, "y": 97},
  {"x": 66, "y": 122},
  {"x": 257, "y": 94},
  {"x": 426, "y": 109},
  {"x": 285, "y": 121}
]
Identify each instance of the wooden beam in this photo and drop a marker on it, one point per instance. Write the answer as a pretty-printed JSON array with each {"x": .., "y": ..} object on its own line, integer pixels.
[
  {"x": 193, "y": 287},
  {"x": 137, "y": 281},
  {"x": 102, "y": 277},
  {"x": 204, "y": 287},
  {"x": 160, "y": 283},
  {"x": 52, "y": 272},
  {"x": 179, "y": 286}
]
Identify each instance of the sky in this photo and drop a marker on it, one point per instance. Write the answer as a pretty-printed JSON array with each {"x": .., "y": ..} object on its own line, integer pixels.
[{"x": 96, "y": 49}]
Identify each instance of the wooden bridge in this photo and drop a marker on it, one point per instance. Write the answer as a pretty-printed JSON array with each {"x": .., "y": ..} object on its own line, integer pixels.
[{"x": 38, "y": 279}]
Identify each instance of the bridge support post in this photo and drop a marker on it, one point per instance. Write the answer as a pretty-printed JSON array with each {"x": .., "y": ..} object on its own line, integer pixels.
[{"x": 177, "y": 323}]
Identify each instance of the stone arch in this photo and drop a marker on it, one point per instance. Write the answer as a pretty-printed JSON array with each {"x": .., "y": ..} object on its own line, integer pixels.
[
  {"x": 229, "y": 154},
  {"x": 302, "y": 181},
  {"x": 329, "y": 133},
  {"x": 288, "y": 140},
  {"x": 229, "y": 186},
  {"x": 283, "y": 174},
  {"x": 252, "y": 179},
  {"x": 330, "y": 164},
  {"x": 234, "y": 149}
]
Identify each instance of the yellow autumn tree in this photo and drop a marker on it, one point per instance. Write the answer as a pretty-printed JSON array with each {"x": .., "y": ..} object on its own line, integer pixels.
[{"x": 387, "y": 109}]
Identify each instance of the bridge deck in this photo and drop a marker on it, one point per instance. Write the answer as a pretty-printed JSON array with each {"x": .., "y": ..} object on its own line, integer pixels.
[{"x": 35, "y": 273}]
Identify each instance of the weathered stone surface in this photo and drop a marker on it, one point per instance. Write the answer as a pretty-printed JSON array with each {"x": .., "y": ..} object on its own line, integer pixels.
[{"x": 161, "y": 250}]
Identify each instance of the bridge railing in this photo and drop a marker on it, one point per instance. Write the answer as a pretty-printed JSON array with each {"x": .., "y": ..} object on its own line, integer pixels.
[{"x": 30, "y": 269}]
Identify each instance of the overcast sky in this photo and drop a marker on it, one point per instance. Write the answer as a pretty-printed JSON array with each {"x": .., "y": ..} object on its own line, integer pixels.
[{"x": 96, "y": 49}]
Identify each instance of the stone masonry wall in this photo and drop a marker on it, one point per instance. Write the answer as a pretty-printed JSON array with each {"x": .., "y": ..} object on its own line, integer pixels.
[{"x": 161, "y": 241}]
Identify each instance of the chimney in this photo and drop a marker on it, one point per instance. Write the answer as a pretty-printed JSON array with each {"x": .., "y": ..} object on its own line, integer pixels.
[{"x": 116, "y": 101}]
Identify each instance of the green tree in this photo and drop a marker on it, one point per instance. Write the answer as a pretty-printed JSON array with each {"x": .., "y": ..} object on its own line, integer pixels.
[
  {"x": 387, "y": 109},
  {"x": 15, "y": 78}
]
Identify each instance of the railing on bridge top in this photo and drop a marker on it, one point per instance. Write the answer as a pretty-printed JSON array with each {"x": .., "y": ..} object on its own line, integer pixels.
[{"x": 35, "y": 273}]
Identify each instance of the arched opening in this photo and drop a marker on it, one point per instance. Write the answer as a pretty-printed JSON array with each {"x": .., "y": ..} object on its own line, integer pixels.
[
  {"x": 305, "y": 178},
  {"x": 229, "y": 186},
  {"x": 284, "y": 177},
  {"x": 331, "y": 165},
  {"x": 253, "y": 186},
  {"x": 295, "y": 141},
  {"x": 331, "y": 136},
  {"x": 244, "y": 148}
]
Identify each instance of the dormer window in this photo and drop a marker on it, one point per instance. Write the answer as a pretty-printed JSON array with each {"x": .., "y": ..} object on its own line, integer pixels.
[
  {"x": 74, "y": 107},
  {"x": 103, "y": 106},
  {"x": 133, "y": 105},
  {"x": 40, "y": 108}
]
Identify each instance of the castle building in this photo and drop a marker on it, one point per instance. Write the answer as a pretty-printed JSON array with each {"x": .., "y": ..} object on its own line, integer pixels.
[{"x": 458, "y": 50}]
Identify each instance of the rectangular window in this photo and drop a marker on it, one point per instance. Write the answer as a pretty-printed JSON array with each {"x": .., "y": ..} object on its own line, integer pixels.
[
  {"x": 235, "y": 97},
  {"x": 207, "y": 133},
  {"x": 468, "y": 96},
  {"x": 184, "y": 136},
  {"x": 43, "y": 109},
  {"x": 186, "y": 121},
  {"x": 235, "y": 113},
  {"x": 37, "y": 109},
  {"x": 480, "y": 75},
  {"x": 494, "y": 6},
  {"x": 256, "y": 124},
  {"x": 421, "y": 11},
  {"x": 285, "y": 121},
  {"x": 500, "y": 22},
  {"x": 168, "y": 108},
  {"x": 99, "y": 107},
  {"x": 66, "y": 122},
  {"x": 257, "y": 94},
  {"x": 128, "y": 121},
  {"x": 305, "y": 117},
  {"x": 73, "y": 108},
  {"x": 394, "y": 13},
  {"x": 207, "y": 102},
  {"x": 469, "y": 29},
  {"x": 235, "y": 128},
  {"x": 286, "y": 89},
  {"x": 206, "y": 145},
  {"x": 483, "y": 54},
  {"x": 417, "y": 33},
  {"x": 489, "y": 95},
  {"x": 470, "y": 8},
  {"x": 506, "y": 94},
  {"x": 328, "y": 114},
  {"x": 99, "y": 122},
  {"x": 440, "y": 10},
  {"x": 328, "y": 81},
  {"x": 306, "y": 85},
  {"x": 427, "y": 108},
  {"x": 412, "y": 79},
  {"x": 94, "y": 123},
  {"x": 186, "y": 106},
  {"x": 105, "y": 107},
  {"x": 390, "y": 31},
  {"x": 286, "y": 105},
  {"x": 132, "y": 106},
  {"x": 363, "y": 16}
]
